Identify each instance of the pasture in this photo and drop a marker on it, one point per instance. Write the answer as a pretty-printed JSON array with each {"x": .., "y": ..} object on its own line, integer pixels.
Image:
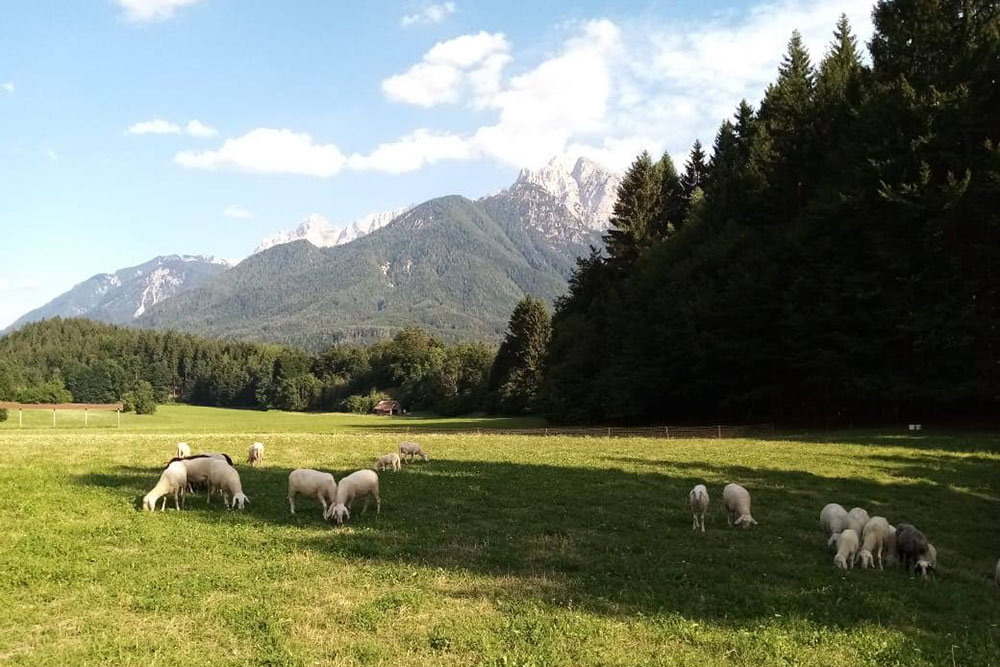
[{"x": 502, "y": 550}]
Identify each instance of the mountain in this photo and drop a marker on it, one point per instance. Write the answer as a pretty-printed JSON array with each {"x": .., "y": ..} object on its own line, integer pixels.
[
  {"x": 451, "y": 265},
  {"x": 122, "y": 296},
  {"x": 323, "y": 234},
  {"x": 583, "y": 187}
]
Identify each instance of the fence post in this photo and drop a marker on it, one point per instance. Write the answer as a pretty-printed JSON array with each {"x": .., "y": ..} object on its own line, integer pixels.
[
  {"x": 19, "y": 423},
  {"x": 609, "y": 432},
  {"x": 86, "y": 417},
  {"x": 720, "y": 430},
  {"x": 119, "y": 413},
  {"x": 53, "y": 417},
  {"x": 667, "y": 429}
]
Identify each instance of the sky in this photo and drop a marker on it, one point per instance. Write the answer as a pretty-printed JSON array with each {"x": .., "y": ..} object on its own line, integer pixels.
[{"x": 136, "y": 128}]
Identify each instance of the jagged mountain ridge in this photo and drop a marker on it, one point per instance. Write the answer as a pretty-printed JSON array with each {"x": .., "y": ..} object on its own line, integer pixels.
[{"x": 120, "y": 297}]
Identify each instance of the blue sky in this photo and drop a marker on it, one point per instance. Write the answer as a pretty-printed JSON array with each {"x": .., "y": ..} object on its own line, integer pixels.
[{"x": 134, "y": 128}]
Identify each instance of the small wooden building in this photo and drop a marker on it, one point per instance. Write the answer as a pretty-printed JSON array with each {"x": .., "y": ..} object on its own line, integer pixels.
[{"x": 388, "y": 407}]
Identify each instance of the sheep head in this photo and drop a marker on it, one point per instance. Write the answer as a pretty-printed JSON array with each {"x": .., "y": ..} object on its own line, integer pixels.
[
  {"x": 339, "y": 512},
  {"x": 149, "y": 502},
  {"x": 866, "y": 559},
  {"x": 746, "y": 521},
  {"x": 924, "y": 568},
  {"x": 239, "y": 499}
]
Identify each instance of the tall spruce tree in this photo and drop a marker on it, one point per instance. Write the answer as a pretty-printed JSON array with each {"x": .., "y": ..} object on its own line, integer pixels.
[
  {"x": 516, "y": 375},
  {"x": 672, "y": 207},
  {"x": 636, "y": 212},
  {"x": 694, "y": 172}
]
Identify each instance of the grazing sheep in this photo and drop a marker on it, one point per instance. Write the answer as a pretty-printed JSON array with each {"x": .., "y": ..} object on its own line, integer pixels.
[
  {"x": 198, "y": 466},
  {"x": 390, "y": 460},
  {"x": 172, "y": 480},
  {"x": 255, "y": 455},
  {"x": 411, "y": 449},
  {"x": 223, "y": 477},
  {"x": 856, "y": 519},
  {"x": 357, "y": 484},
  {"x": 927, "y": 562},
  {"x": 874, "y": 540},
  {"x": 736, "y": 500},
  {"x": 698, "y": 499},
  {"x": 183, "y": 450},
  {"x": 833, "y": 521},
  {"x": 312, "y": 484},
  {"x": 911, "y": 548},
  {"x": 847, "y": 549}
]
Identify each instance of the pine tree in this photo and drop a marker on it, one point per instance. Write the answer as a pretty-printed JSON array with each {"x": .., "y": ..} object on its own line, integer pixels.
[
  {"x": 840, "y": 68},
  {"x": 694, "y": 172},
  {"x": 672, "y": 205},
  {"x": 516, "y": 375},
  {"x": 634, "y": 219}
]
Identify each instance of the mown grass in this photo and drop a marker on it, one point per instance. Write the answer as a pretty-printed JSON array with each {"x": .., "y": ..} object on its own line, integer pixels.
[{"x": 502, "y": 550}]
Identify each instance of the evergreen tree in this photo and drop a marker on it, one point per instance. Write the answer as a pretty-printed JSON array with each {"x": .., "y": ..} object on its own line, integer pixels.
[
  {"x": 516, "y": 374},
  {"x": 672, "y": 205},
  {"x": 694, "y": 173},
  {"x": 636, "y": 212}
]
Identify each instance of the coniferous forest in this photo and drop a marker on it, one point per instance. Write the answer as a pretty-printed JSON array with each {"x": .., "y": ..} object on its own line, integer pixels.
[{"x": 833, "y": 257}]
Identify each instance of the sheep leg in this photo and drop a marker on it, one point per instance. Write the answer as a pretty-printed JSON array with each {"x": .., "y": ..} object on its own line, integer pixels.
[
  {"x": 365, "y": 507},
  {"x": 291, "y": 502},
  {"x": 177, "y": 502},
  {"x": 378, "y": 502}
]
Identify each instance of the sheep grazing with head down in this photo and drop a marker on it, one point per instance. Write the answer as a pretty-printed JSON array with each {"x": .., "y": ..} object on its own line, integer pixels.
[
  {"x": 914, "y": 551},
  {"x": 183, "y": 450},
  {"x": 224, "y": 478},
  {"x": 363, "y": 483},
  {"x": 736, "y": 500},
  {"x": 698, "y": 499},
  {"x": 390, "y": 461},
  {"x": 856, "y": 519},
  {"x": 312, "y": 484},
  {"x": 847, "y": 549},
  {"x": 173, "y": 481},
  {"x": 198, "y": 465},
  {"x": 874, "y": 542},
  {"x": 833, "y": 521},
  {"x": 407, "y": 450},
  {"x": 927, "y": 562},
  {"x": 255, "y": 455}
]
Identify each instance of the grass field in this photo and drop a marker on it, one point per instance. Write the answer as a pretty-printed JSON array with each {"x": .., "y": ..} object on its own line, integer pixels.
[{"x": 502, "y": 550}]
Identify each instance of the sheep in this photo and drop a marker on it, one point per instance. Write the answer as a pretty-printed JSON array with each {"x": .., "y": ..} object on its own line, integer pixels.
[
  {"x": 912, "y": 549},
  {"x": 223, "y": 477},
  {"x": 357, "y": 484},
  {"x": 411, "y": 449},
  {"x": 833, "y": 521},
  {"x": 312, "y": 484},
  {"x": 698, "y": 499},
  {"x": 737, "y": 502},
  {"x": 856, "y": 519},
  {"x": 926, "y": 562},
  {"x": 199, "y": 464},
  {"x": 847, "y": 549},
  {"x": 183, "y": 450},
  {"x": 390, "y": 460},
  {"x": 172, "y": 480},
  {"x": 874, "y": 540},
  {"x": 255, "y": 455}
]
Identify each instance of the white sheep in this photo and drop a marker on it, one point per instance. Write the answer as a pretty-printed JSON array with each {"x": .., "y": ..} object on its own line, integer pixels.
[
  {"x": 927, "y": 562},
  {"x": 737, "y": 502},
  {"x": 411, "y": 449},
  {"x": 172, "y": 480},
  {"x": 698, "y": 499},
  {"x": 832, "y": 521},
  {"x": 390, "y": 460},
  {"x": 856, "y": 519},
  {"x": 847, "y": 549},
  {"x": 255, "y": 455},
  {"x": 183, "y": 450},
  {"x": 875, "y": 541},
  {"x": 312, "y": 484},
  {"x": 198, "y": 465},
  {"x": 223, "y": 477},
  {"x": 357, "y": 484}
]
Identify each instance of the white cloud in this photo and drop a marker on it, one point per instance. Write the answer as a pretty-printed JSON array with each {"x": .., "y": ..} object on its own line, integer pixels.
[
  {"x": 429, "y": 14},
  {"x": 449, "y": 69},
  {"x": 196, "y": 128},
  {"x": 144, "y": 11},
  {"x": 19, "y": 285},
  {"x": 237, "y": 212},
  {"x": 8, "y": 86},
  {"x": 155, "y": 126},
  {"x": 413, "y": 151},
  {"x": 269, "y": 151}
]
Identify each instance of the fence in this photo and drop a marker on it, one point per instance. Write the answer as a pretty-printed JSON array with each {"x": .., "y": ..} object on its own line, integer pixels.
[
  {"x": 669, "y": 432},
  {"x": 86, "y": 407}
]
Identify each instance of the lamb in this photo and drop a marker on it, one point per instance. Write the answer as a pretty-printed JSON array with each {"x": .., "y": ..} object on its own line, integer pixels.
[
  {"x": 312, "y": 484},
  {"x": 172, "y": 480},
  {"x": 357, "y": 484},
  {"x": 255, "y": 455},
  {"x": 223, "y": 477},
  {"x": 737, "y": 502},
  {"x": 912, "y": 549},
  {"x": 183, "y": 450},
  {"x": 698, "y": 499},
  {"x": 833, "y": 521},
  {"x": 390, "y": 460},
  {"x": 856, "y": 519},
  {"x": 847, "y": 549},
  {"x": 875, "y": 538},
  {"x": 411, "y": 449}
]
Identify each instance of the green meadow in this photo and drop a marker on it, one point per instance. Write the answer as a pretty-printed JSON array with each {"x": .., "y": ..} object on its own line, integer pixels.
[{"x": 501, "y": 550}]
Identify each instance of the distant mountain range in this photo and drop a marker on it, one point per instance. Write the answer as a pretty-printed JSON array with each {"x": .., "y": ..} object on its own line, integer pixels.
[
  {"x": 452, "y": 265},
  {"x": 122, "y": 296}
]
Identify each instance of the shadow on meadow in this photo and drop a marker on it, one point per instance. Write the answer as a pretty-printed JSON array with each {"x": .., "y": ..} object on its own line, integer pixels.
[{"x": 619, "y": 542}]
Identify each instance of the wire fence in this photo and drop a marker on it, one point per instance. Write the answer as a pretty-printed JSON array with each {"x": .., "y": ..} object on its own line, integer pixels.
[{"x": 667, "y": 432}]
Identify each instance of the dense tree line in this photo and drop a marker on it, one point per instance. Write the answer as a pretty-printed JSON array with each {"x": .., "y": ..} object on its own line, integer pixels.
[{"x": 835, "y": 258}]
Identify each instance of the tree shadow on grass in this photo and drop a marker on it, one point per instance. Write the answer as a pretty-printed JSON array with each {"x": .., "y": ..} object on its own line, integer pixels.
[{"x": 619, "y": 542}]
